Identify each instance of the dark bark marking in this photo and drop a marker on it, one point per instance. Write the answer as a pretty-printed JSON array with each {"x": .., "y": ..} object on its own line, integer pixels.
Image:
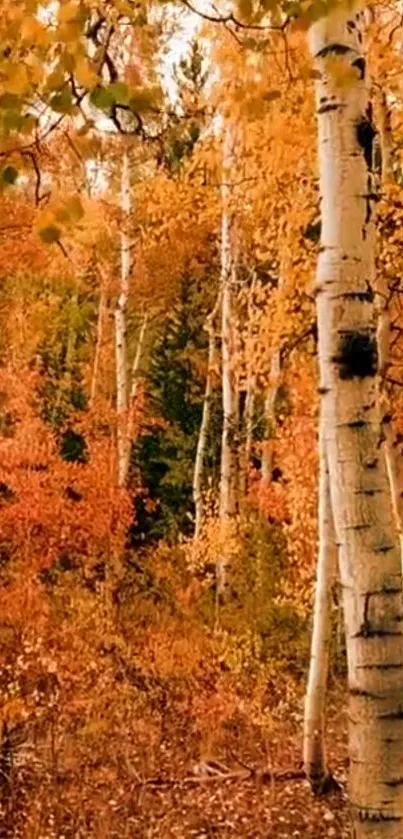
[
  {"x": 359, "y": 423},
  {"x": 313, "y": 231},
  {"x": 366, "y": 296},
  {"x": 367, "y": 631},
  {"x": 365, "y": 133},
  {"x": 376, "y": 816},
  {"x": 335, "y": 49},
  {"x": 392, "y": 715},
  {"x": 372, "y": 464},
  {"x": 384, "y": 548},
  {"x": 359, "y": 63},
  {"x": 395, "y": 782},
  {"x": 357, "y": 356},
  {"x": 369, "y": 492},
  {"x": 365, "y": 694},
  {"x": 323, "y": 109},
  {"x": 380, "y": 666}
]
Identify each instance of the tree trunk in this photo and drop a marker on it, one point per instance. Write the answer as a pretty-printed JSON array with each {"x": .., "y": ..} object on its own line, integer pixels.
[
  {"x": 204, "y": 426},
  {"x": 249, "y": 415},
  {"x": 270, "y": 415},
  {"x": 132, "y": 401},
  {"x": 121, "y": 327},
  {"x": 386, "y": 137},
  {"x": 98, "y": 345},
  {"x": 250, "y": 398},
  {"x": 228, "y": 454},
  {"x": 391, "y": 444},
  {"x": 315, "y": 700},
  {"x": 370, "y": 567}
]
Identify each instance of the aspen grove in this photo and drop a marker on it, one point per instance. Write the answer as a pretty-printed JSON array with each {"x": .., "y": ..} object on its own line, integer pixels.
[{"x": 201, "y": 419}]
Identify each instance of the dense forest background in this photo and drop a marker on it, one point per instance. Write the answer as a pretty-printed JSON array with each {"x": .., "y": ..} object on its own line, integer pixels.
[{"x": 142, "y": 694}]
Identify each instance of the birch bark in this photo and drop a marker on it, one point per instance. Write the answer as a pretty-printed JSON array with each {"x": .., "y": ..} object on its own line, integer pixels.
[
  {"x": 205, "y": 422},
  {"x": 98, "y": 344},
  {"x": 370, "y": 567},
  {"x": 270, "y": 414},
  {"x": 121, "y": 326},
  {"x": 314, "y": 719},
  {"x": 132, "y": 399},
  {"x": 228, "y": 455},
  {"x": 250, "y": 397}
]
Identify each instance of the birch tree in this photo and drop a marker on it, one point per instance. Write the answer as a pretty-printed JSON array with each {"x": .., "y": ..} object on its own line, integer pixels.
[
  {"x": 121, "y": 324},
  {"x": 205, "y": 422},
  {"x": 314, "y": 720},
  {"x": 370, "y": 567},
  {"x": 228, "y": 456}
]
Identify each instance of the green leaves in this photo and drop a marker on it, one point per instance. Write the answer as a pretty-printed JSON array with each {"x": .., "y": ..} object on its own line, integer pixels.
[
  {"x": 62, "y": 102},
  {"x": 53, "y": 222},
  {"x": 102, "y": 98},
  {"x": 119, "y": 93},
  {"x": 8, "y": 176},
  {"x": 50, "y": 234}
]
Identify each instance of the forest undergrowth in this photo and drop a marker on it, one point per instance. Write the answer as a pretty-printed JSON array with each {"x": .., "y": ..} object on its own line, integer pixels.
[{"x": 134, "y": 704}]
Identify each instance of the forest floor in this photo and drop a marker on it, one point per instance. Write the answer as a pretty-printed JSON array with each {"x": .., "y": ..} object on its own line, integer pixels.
[
  {"x": 274, "y": 803},
  {"x": 253, "y": 789}
]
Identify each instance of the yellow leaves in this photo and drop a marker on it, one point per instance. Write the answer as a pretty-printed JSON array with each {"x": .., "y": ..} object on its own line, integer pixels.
[
  {"x": 32, "y": 30},
  {"x": 36, "y": 69},
  {"x": 87, "y": 144},
  {"x": 68, "y": 11},
  {"x": 245, "y": 9},
  {"x": 16, "y": 80},
  {"x": 85, "y": 73},
  {"x": 141, "y": 99},
  {"x": 52, "y": 222},
  {"x": 71, "y": 211}
]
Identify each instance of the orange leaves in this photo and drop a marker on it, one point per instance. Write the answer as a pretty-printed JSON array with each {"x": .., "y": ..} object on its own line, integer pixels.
[{"x": 58, "y": 217}]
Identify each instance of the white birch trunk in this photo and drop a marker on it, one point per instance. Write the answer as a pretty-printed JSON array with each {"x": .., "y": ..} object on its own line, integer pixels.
[
  {"x": 98, "y": 346},
  {"x": 204, "y": 425},
  {"x": 228, "y": 456},
  {"x": 391, "y": 445},
  {"x": 386, "y": 138},
  {"x": 270, "y": 415},
  {"x": 370, "y": 568},
  {"x": 121, "y": 326},
  {"x": 248, "y": 420},
  {"x": 132, "y": 400},
  {"x": 315, "y": 700},
  {"x": 250, "y": 398}
]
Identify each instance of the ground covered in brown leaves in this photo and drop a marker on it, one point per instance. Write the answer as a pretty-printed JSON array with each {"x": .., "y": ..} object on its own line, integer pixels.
[
  {"x": 211, "y": 806},
  {"x": 253, "y": 788}
]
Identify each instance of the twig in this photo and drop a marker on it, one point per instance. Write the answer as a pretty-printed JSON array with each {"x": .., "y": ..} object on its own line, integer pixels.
[{"x": 264, "y": 776}]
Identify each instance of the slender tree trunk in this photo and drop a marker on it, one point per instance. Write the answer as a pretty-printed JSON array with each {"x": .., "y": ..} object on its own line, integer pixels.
[
  {"x": 205, "y": 423},
  {"x": 370, "y": 568},
  {"x": 71, "y": 342},
  {"x": 391, "y": 444},
  {"x": 250, "y": 398},
  {"x": 270, "y": 405},
  {"x": 98, "y": 345},
  {"x": 315, "y": 700},
  {"x": 132, "y": 401},
  {"x": 248, "y": 420},
  {"x": 270, "y": 414},
  {"x": 121, "y": 326},
  {"x": 386, "y": 137},
  {"x": 228, "y": 455}
]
